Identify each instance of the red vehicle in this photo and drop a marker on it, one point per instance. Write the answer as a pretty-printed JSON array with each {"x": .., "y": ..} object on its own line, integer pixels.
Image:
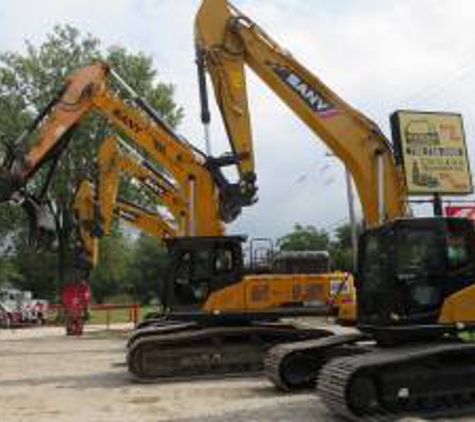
[{"x": 18, "y": 308}]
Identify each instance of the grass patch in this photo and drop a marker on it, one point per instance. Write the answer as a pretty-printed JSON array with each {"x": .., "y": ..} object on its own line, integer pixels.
[
  {"x": 468, "y": 336},
  {"x": 115, "y": 316},
  {"x": 97, "y": 316}
]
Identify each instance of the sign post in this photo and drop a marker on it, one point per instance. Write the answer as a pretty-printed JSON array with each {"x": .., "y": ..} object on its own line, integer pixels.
[{"x": 431, "y": 147}]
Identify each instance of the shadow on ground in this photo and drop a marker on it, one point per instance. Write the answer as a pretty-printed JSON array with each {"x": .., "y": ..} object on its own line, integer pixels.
[{"x": 111, "y": 379}]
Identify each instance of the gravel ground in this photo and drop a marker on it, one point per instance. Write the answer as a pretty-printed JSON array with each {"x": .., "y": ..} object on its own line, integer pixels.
[{"x": 45, "y": 376}]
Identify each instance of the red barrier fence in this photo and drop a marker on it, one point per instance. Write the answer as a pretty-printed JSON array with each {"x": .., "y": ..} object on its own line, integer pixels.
[{"x": 133, "y": 311}]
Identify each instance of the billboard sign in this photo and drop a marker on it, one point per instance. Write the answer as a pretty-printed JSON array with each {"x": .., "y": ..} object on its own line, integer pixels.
[{"x": 433, "y": 152}]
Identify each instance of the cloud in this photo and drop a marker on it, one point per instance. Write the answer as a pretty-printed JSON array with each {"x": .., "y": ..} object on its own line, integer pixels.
[{"x": 378, "y": 55}]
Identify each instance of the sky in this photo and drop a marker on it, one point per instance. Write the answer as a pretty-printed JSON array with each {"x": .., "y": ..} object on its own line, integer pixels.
[{"x": 378, "y": 55}]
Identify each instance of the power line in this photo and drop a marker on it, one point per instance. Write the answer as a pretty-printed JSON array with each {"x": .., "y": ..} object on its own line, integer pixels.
[
  {"x": 331, "y": 227},
  {"x": 450, "y": 77}
]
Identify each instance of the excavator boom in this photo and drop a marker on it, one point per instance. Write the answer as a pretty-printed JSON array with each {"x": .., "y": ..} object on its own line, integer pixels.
[
  {"x": 114, "y": 163},
  {"x": 228, "y": 40},
  {"x": 90, "y": 230},
  {"x": 210, "y": 198},
  {"x": 96, "y": 206}
]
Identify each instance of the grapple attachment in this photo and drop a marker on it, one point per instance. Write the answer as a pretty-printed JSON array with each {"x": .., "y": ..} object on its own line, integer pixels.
[{"x": 42, "y": 223}]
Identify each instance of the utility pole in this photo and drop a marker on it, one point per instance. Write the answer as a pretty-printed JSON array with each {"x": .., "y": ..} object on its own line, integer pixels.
[{"x": 351, "y": 212}]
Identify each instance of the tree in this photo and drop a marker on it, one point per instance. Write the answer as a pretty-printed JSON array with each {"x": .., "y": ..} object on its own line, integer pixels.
[
  {"x": 8, "y": 271},
  {"x": 35, "y": 271},
  {"x": 341, "y": 249},
  {"x": 305, "y": 238},
  {"x": 309, "y": 238},
  {"x": 110, "y": 275},
  {"x": 148, "y": 269},
  {"x": 27, "y": 83}
]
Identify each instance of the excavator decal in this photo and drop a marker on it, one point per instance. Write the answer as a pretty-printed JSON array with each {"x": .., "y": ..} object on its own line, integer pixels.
[
  {"x": 128, "y": 121},
  {"x": 311, "y": 96}
]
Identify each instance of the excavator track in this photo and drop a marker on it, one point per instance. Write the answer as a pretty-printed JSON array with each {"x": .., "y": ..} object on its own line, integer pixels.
[
  {"x": 158, "y": 327},
  {"x": 426, "y": 380},
  {"x": 295, "y": 366},
  {"x": 179, "y": 352}
]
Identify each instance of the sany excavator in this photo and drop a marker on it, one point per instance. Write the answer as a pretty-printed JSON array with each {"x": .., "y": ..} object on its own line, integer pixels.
[
  {"x": 217, "y": 319},
  {"x": 415, "y": 297}
]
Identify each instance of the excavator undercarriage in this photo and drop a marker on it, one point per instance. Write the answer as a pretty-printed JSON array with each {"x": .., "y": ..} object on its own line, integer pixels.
[
  {"x": 176, "y": 349},
  {"x": 199, "y": 332},
  {"x": 362, "y": 381},
  {"x": 410, "y": 356}
]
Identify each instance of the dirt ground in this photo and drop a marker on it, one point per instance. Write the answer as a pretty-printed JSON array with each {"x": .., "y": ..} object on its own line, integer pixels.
[{"x": 45, "y": 376}]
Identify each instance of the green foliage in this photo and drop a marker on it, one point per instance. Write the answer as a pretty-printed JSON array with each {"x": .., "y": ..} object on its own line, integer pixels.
[
  {"x": 341, "y": 248},
  {"x": 110, "y": 276},
  {"x": 28, "y": 81},
  {"x": 35, "y": 271},
  {"x": 308, "y": 238},
  {"x": 305, "y": 238},
  {"x": 148, "y": 269},
  {"x": 9, "y": 220},
  {"x": 8, "y": 271}
]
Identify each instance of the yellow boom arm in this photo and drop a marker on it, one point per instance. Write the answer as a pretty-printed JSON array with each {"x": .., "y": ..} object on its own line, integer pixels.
[
  {"x": 113, "y": 162},
  {"x": 228, "y": 41},
  {"x": 85, "y": 205},
  {"x": 87, "y": 90}
]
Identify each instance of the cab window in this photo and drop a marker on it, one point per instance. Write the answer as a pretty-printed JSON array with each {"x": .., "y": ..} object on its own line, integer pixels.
[{"x": 419, "y": 251}]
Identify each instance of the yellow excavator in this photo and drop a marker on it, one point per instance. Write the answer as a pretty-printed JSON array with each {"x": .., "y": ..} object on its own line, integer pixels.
[
  {"x": 415, "y": 296},
  {"x": 111, "y": 162},
  {"x": 217, "y": 318}
]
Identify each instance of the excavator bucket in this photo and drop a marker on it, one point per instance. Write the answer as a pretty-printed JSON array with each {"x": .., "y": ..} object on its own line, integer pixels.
[{"x": 42, "y": 225}]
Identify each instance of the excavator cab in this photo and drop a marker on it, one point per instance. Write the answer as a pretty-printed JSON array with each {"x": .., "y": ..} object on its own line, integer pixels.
[
  {"x": 199, "y": 266},
  {"x": 408, "y": 268}
]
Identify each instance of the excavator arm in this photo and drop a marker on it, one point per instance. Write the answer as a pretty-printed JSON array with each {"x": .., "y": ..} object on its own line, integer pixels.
[
  {"x": 96, "y": 205},
  {"x": 227, "y": 41},
  {"x": 85, "y": 205},
  {"x": 113, "y": 162},
  {"x": 211, "y": 198}
]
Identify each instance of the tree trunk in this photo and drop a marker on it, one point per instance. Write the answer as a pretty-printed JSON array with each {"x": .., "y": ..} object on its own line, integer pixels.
[{"x": 65, "y": 264}]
